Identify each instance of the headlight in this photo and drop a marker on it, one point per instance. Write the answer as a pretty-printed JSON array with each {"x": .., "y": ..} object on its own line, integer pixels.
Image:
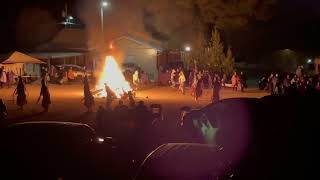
[{"x": 100, "y": 140}]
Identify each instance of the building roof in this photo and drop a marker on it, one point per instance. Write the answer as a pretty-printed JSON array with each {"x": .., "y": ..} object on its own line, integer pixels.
[
  {"x": 154, "y": 44},
  {"x": 18, "y": 57},
  {"x": 67, "y": 39},
  {"x": 49, "y": 55}
]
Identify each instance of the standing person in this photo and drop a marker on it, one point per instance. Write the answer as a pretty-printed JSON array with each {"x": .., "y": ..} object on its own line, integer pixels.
[
  {"x": 46, "y": 101},
  {"x": 136, "y": 79},
  {"x": 243, "y": 80},
  {"x": 275, "y": 88},
  {"x": 198, "y": 87},
  {"x": 21, "y": 94},
  {"x": 3, "y": 77},
  {"x": 182, "y": 80},
  {"x": 216, "y": 89},
  {"x": 191, "y": 78},
  {"x": 299, "y": 71},
  {"x": 194, "y": 85},
  {"x": 3, "y": 110},
  {"x": 234, "y": 81},
  {"x": 286, "y": 84},
  {"x": 10, "y": 78},
  {"x": 71, "y": 75},
  {"x": 88, "y": 100},
  {"x": 224, "y": 79}
]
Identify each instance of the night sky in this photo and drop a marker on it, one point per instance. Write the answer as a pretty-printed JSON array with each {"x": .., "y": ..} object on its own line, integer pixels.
[{"x": 295, "y": 24}]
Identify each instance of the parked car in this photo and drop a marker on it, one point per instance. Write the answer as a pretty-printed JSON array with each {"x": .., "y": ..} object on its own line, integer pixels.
[
  {"x": 78, "y": 70},
  {"x": 180, "y": 161},
  {"x": 45, "y": 150}
]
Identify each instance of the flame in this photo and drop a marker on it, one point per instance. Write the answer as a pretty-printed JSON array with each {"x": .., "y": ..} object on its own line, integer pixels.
[{"x": 112, "y": 76}]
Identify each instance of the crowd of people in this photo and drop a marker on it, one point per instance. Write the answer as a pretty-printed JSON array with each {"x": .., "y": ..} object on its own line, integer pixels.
[
  {"x": 6, "y": 77},
  {"x": 200, "y": 80},
  {"x": 129, "y": 120},
  {"x": 277, "y": 83}
]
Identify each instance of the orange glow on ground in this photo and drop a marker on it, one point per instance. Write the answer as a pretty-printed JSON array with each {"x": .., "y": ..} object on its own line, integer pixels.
[{"x": 112, "y": 76}]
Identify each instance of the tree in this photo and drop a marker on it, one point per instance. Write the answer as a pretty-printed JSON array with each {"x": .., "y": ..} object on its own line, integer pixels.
[
  {"x": 199, "y": 55},
  {"x": 228, "y": 63},
  {"x": 88, "y": 97},
  {"x": 217, "y": 57},
  {"x": 211, "y": 55}
]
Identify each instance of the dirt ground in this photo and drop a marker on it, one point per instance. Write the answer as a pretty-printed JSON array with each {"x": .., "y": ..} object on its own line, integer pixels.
[{"x": 67, "y": 103}]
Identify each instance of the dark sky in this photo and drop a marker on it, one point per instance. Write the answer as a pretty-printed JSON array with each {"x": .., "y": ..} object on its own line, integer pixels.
[
  {"x": 295, "y": 24},
  {"x": 10, "y": 11}
]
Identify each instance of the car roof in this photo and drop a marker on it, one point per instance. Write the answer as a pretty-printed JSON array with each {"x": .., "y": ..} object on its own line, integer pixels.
[
  {"x": 53, "y": 131},
  {"x": 180, "y": 160}
]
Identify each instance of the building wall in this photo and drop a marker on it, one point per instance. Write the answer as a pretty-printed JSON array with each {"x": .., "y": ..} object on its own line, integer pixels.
[{"x": 143, "y": 56}]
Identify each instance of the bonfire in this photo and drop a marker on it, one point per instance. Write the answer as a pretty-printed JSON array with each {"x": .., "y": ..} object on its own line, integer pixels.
[{"x": 112, "y": 76}]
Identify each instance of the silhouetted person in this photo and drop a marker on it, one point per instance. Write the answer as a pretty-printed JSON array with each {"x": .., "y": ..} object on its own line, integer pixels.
[
  {"x": 21, "y": 94},
  {"x": 216, "y": 89},
  {"x": 143, "y": 115},
  {"x": 99, "y": 119},
  {"x": 243, "y": 79},
  {"x": 286, "y": 84},
  {"x": 3, "y": 110},
  {"x": 88, "y": 97},
  {"x": 110, "y": 97},
  {"x": 46, "y": 101},
  {"x": 121, "y": 107},
  {"x": 132, "y": 102}
]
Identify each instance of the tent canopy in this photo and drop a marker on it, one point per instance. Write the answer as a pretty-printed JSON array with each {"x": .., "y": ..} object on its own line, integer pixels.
[{"x": 18, "y": 57}]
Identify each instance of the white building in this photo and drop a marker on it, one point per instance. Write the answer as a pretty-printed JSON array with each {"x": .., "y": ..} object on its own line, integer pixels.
[{"x": 138, "y": 52}]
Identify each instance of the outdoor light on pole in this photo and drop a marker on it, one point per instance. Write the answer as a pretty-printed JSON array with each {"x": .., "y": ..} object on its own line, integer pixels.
[
  {"x": 187, "y": 48},
  {"x": 104, "y": 4},
  {"x": 309, "y": 61}
]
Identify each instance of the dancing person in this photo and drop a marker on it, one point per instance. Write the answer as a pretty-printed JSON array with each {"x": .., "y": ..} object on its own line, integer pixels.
[
  {"x": 3, "y": 110},
  {"x": 173, "y": 78},
  {"x": 21, "y": 94},
  {"x": 182, "y": 80},
  {"x": 44, "y": 93}
]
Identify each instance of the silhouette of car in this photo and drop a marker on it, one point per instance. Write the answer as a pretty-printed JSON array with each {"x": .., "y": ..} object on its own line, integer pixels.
[
  {"x": 45, "y": 150},
  {"x": 175, "y": 161}
]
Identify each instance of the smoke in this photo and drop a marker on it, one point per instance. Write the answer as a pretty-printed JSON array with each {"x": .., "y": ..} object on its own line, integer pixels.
[
  {"x": 176, "y": 22},
  {"x": 120, "y": 17}
]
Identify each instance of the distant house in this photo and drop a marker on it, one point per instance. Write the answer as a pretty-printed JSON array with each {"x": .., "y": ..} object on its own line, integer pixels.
[{"x": 139, "y": 52}]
